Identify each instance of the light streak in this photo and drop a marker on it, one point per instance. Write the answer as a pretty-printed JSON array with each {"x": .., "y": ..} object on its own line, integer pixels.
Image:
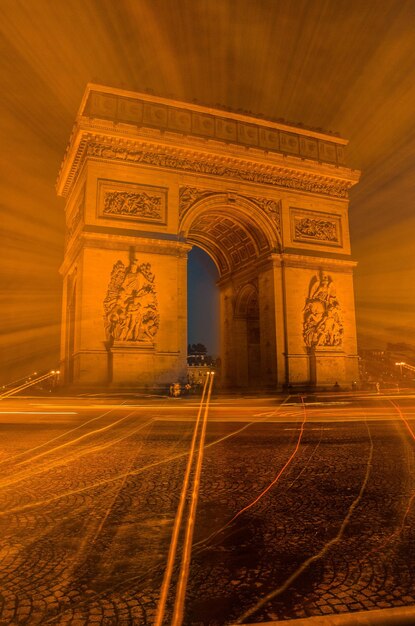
[
  {"x": 38, "y": 413},
  {"x": 107, "y": 481},
  {"x": 94, "y": 419},
  {"x": 269, "y": 486},
  {"x": 321, "y": 553},
  {"x": 39, "y": 379},
  {"x": 187, "y": 548},
  {"x": 399, "y": 530},
  {"x": 19, "y": 477},
  {"x": 178, "y": 519},
  {"x": 405, "y": 421},
  {"x": 92, "y": 433}
]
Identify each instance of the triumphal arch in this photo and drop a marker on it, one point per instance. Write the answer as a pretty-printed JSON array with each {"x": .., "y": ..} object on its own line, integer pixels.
[{"x": 146, "y": 178}]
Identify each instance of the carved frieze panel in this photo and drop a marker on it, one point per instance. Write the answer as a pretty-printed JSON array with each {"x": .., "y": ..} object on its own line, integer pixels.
[
  {"x": 269, "y": 139},
  {"x": 315, "y": 227},
  {"x": 327, "y": 151},
  {"x": 309, "y": 147},
  {"x": 322, "y": 323},
  {"x": 248, "y": 134},
  {"x": 130, "y": 110},
  {"x": 129, "y": 201},
  {"x": 278, "y": 177},
  {"x": 225, "y": 129},
  {"x": 289, "y": 143},
  {"x": 130, "y": 306},
  {"x": 203, "y": 124}
]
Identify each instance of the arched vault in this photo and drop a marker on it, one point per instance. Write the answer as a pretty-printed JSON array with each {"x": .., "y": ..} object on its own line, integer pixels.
[{"x": 234, "y": 231}]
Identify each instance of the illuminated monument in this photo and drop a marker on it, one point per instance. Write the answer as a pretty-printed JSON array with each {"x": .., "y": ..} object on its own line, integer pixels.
[{"x": 145, "y": 179}]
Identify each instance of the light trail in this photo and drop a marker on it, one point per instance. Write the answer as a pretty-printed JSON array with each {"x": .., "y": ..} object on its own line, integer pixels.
[
  {"x": 38, "y": 413},
  {"x": 14, "y": 382},
  {"x": 178, "y": 610},
  {"x": 264, "y": 491},
  {"x": 23, "y": 475},
  {"x": 107, "y": 481},
  {"x": 399, "y": 530},
  {"x": 39, "y": 379},
  {"x": 178, "y": 519},
  {"x": 405, "y": 421},
  {"x": 68, "y": 432},
  {"x": 91, "y": 433},
  {"x": 321, "y": 553}
]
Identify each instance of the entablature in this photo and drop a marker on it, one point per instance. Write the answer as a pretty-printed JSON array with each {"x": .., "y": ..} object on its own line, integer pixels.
[{"x": 155, "y": 140}]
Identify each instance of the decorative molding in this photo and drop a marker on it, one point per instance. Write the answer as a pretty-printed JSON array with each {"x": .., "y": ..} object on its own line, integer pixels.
[
  {"x": 225, "y": 168},
  {"x": 317, "y": 228},
  {"x": 130, "y": 307},
  {"x": 322, "y": 324},
  {"x": 132, "y": 202}
]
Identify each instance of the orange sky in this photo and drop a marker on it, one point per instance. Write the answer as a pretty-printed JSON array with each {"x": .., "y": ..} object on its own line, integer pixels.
[{"x": 342, "y": 65}]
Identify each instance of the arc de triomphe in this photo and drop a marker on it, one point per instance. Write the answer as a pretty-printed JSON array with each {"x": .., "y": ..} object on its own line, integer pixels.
[{"x": 146, "y": 178}]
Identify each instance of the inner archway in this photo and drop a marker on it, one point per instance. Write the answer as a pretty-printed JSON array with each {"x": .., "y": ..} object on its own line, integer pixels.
[
  {"x": 203, "y": 301},
  {"x": 239, "y": 243}
]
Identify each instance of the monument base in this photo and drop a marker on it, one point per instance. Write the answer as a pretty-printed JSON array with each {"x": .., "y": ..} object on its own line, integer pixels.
[{"x": 330, "y": 366}]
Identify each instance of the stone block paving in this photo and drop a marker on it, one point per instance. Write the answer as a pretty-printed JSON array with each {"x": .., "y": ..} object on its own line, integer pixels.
[{"x": 85, "y": 528}]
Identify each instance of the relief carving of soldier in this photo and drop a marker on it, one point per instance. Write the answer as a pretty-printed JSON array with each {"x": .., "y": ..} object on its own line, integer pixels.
[
  {"x": 131, "y": 310},
  {"x": 322, "y": 324}
]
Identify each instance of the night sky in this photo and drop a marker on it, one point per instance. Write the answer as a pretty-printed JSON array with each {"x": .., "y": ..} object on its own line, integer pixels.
[{"x": 339, "y": 65}]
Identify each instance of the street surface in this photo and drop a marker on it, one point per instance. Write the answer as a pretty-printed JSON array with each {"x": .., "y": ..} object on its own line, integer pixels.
[{"x": 306, "y": 507}]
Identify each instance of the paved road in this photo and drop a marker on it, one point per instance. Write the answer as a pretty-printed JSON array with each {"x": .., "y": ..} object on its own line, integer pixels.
[{"x": 306, "y": 508}]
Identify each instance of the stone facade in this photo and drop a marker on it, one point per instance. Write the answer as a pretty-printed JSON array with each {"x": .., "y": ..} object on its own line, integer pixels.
[{"x": 145, "y": 179}]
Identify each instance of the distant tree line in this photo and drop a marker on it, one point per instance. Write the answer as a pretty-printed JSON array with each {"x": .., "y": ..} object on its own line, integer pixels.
[{"x": 197, "y": 355}]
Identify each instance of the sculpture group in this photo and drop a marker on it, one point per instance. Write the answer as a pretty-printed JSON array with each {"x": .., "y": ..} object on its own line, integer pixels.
[
  {"x": 130, "y": 306},
  {"x": 322, "y": 322}
]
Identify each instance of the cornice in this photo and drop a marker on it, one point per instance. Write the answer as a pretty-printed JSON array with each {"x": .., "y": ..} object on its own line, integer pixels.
[
  {"x": 111, "y": 241},
  {"x": 243, "y": 165},
  {"x": 306, "y": 261}
]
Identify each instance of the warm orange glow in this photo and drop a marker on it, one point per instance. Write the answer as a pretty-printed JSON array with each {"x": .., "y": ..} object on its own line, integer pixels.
[{"x": 347, "y": 67}]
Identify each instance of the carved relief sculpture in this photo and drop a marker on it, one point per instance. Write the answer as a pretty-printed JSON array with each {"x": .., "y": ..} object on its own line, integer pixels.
[
  {"x": 272, "y": 208},
  {"x": 131, "y": 310},
  {"x": 323, "y": 230},
  {"x": 322, "y": 324},
  {"x": 280, "y": 177},
  {"x": 133, "y": 204}
]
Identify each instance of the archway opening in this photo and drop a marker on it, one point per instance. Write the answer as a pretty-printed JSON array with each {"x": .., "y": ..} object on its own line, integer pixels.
[
  {"x": 239, "y": 245},
  {"x": 203, "y": 302}
]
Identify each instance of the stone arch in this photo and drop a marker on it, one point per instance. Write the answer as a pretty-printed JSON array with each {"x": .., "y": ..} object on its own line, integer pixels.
[
  {"x": 267, "y": 201},
  {"x": 240, "y": 234},
  {"x": 247, "y": 337},
  {"x": 231, "y": 228},
  {"x": 247, "y": 302}
]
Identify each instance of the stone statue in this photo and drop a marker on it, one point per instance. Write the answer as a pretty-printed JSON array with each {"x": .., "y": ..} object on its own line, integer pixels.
[
  {"x": 322, "y": 324},
  {"x": 130, "y": 306}
]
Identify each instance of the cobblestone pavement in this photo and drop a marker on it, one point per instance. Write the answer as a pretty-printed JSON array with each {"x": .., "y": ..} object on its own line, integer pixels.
[{"x": 88, "y": 496}]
